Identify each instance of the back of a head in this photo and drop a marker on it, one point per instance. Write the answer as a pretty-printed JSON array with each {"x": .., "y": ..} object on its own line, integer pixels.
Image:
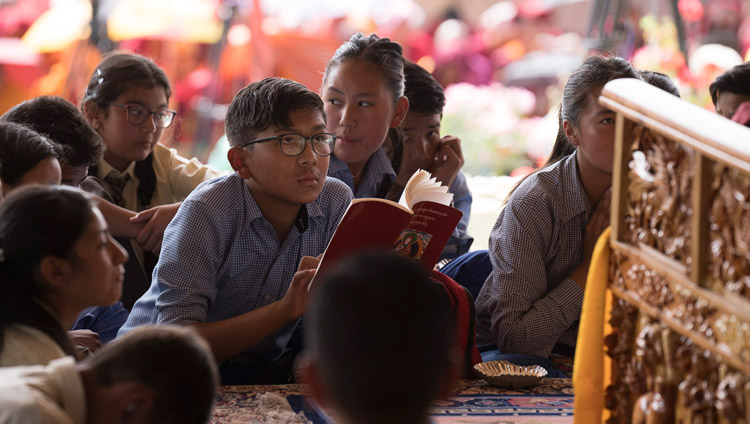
[
  {"x": 425, "y": 94},
  {"x": 173, "y": 361},
  {"x": 59, "y": 120},
  {"x": 379, "y": 319},
  {"x": 21, "y": 149},
  {"x": 659, "y": 80},
  {"x": 266, "y": 103},
  {"x": 735, "y": 80}
]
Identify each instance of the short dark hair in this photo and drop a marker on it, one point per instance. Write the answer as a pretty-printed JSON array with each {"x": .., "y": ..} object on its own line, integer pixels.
[
  {"x": 21, "y": 149},
  {"x": 368, "y": 317},
  {"x": 659, "y": 80},
  {"x": 267, "y": 103},
  {"x": 59, "y": 120},
  {"x": 735, "y": 80},
  {"x": 425, "y": 94},
  {"x": 173, "y": 361}
]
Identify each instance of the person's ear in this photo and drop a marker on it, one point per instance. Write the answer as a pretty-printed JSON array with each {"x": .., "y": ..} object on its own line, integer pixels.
[
  {"x": 571, "y": 133},
  {"x": 93, "y": 115},
  {"x": 236, "y": 157},
  {"x": 402, "y": 106},
  {"x": 135, "y": 404},
  {"x": 311, "y": 377},
  {"x": 54, "y": 270}
]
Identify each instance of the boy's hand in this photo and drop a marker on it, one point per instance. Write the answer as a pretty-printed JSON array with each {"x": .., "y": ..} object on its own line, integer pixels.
[
  {"x": 156, "y": 219},
  {"x": 297, "y": 296},
  {"x": 448, "y": 160}
]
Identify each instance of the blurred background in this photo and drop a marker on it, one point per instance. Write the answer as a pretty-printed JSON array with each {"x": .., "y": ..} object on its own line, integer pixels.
[{"x": 503, "y": 64}]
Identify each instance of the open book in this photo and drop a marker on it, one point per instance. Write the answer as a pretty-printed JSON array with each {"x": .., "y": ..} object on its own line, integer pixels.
[{"x": 419, "y": 226}]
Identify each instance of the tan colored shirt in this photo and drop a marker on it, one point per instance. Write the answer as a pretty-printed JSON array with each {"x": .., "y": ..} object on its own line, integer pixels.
[
  {"x": 52, "y": 393},
  {"x": 25, "y": 345},
  {"x": 176, "y": 177}
]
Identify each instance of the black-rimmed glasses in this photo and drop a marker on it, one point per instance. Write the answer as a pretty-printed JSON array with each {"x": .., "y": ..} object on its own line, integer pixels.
[
  {"x": 294, "y": 144},
  {"x": 137, "y": 115}
]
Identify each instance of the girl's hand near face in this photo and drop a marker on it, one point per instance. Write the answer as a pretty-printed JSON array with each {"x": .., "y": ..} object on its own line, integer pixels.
[
  {"x": 156, "y": 220},
  {"x": 448, "y": 160}
]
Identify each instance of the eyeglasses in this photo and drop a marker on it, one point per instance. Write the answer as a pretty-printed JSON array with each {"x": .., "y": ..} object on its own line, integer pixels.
[
  {"x": 294, "y": 144},
  {"x": 137, "y": 115}
]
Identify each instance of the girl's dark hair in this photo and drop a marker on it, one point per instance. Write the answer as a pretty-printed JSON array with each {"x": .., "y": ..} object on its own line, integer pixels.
[
  {"x": 381, "y": 52},
  {"x": 21, "y": 149},
  {"x": 388, "y": 57},
  {"x": 117, "y": 73},
  {"x": 589, "y": 77},
  {"x": 37, "y": 222},
  {"x": 59, "y": 120}
]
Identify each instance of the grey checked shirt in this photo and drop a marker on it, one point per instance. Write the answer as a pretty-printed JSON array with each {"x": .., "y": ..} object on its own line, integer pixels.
[
  {"x": 377, "y": 168},
  {"x": 528, "y": 303},
  {"x": 221, "y": 258}
]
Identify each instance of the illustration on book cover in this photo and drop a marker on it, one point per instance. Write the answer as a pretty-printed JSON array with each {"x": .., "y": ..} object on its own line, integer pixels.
[{"x": 412, "y": 244}]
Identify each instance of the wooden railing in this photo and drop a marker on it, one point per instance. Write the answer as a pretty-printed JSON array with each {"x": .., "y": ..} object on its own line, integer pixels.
[{"x": 680, "y": 263}]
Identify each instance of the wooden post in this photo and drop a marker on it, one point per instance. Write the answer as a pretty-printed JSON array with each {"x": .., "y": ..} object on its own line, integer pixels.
[
  {"x": 702, "y": 175},
  {"x": 622, "y": 153}
]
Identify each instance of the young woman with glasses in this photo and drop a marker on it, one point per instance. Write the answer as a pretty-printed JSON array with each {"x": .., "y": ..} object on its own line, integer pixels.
[{"x": 127, "y": 103}]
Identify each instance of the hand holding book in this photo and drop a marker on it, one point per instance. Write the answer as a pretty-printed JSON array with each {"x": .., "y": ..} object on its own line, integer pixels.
[{"x": 419, "y": 226}]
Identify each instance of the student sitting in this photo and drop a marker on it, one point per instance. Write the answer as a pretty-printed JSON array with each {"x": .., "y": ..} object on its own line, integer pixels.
[
  {"x": 27, "y": 157},
  {"x": 380, "y": 337},
  {"x": 363, "y": 91},
  {"x": 154, "y": 375},
  {"x": 81, "y": 148},
  {"x": 238, "y": 256},
  {"x": 423, "y": 148},
  {"x": 541, "y": 245},
  {"x": 56, "y": 258}
]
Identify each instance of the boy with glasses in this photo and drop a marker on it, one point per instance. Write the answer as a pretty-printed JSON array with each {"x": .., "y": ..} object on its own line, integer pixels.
[{"x": 238, "y": 256}]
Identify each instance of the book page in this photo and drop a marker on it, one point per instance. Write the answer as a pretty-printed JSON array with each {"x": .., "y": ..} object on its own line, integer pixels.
[{"x": 423, "y": 187}]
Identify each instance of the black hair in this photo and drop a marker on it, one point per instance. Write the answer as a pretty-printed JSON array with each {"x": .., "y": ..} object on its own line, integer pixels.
[
  {"x": 425, "y": 94},
  {"x": 174, "y": 362},
  {"x": 659, "y": 80},
  {"x": 367, "y": 318},
  {"x": 267, "y": 103},
  {"x": 59, "y": 120},
  {"x": 592, "y": 75},
  {"x": 37, "y": 222},
  {"x": 117, "y": 73},
  {"x": 388, "y": 57},
  {"x": 735, "y": 80},
  {"x": 21, "y": 149}
]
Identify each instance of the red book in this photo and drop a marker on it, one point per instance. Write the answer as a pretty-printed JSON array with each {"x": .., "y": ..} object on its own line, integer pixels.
[{"x": 419, "y": 231}]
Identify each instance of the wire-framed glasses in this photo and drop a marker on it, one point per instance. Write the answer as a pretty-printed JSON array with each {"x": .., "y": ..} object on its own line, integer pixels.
[
  {"x": 294, "y": 144},
  {"x": 137, "y": 115}
]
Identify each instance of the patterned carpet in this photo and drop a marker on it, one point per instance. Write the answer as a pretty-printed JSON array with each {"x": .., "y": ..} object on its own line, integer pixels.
[{"x": 475, "y": 402}]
